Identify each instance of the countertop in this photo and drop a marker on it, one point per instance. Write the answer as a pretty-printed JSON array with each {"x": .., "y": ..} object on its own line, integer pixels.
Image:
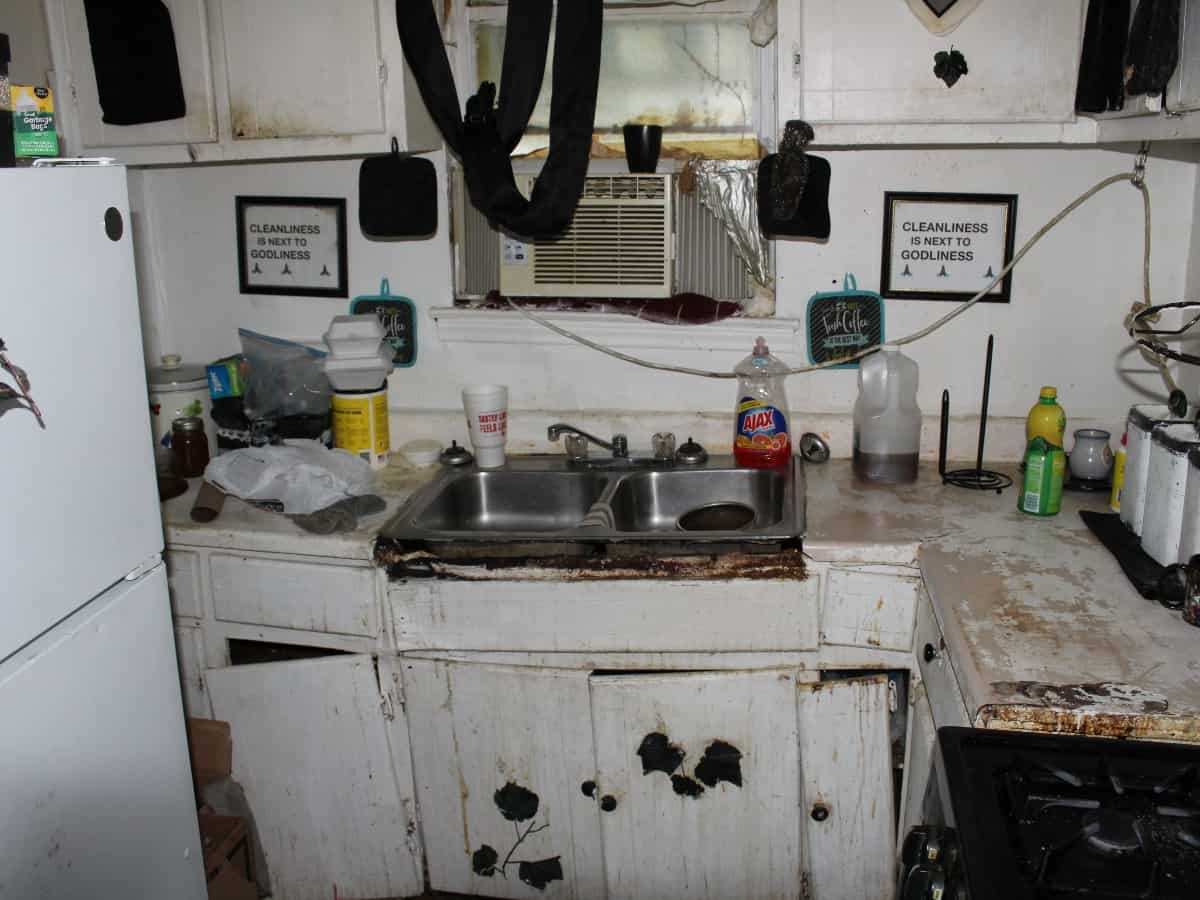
[
  {"x": 244, "y": 527},
  {"x": 1043, "y": 630},
  {"x": 1042, "y": 627}
]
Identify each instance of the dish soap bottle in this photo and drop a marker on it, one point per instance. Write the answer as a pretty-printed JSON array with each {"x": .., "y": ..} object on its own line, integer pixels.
[
  {"x": 887, "y": 420},
  {"x": 1046, "y": 418},
  {"x": 760, "y": 437}
]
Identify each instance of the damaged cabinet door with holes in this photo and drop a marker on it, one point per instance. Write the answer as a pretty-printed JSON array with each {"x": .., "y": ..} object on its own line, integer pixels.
[
  {"x": 321, "y": 748},
  {"x": 847, "y": 795},
  {"x": 505, "y": 777},
  {"x": 702, "y": 771}
]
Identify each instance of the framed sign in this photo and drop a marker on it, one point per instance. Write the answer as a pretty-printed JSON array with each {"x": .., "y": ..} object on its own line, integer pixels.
[
  {"x": 947, "y": 246},
  {"x": 292, "y": 245}
]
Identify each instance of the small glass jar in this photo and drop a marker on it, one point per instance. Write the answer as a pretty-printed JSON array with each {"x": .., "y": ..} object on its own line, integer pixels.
[{"x": 189, "y": 447}]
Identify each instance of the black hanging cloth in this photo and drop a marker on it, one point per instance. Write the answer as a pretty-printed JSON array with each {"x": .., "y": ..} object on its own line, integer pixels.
[
  {"x": 137, "y": 67},
  {"x": 489, "y": 132}
]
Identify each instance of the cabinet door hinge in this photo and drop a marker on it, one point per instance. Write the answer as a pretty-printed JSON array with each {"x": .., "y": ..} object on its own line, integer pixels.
[
  {"x": 383, "y": 73},
  {"x": 804, "y": 891},
  {"x": 893, "y": 700}
]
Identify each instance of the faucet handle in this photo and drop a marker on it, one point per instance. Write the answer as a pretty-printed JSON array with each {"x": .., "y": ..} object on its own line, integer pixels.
[
  {"x": 664, "y": 446},
  {"x": 620, "y": 446}
]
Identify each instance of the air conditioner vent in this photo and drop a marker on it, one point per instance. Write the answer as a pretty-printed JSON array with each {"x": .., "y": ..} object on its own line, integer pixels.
[
  {"x": 625, "y": 187},
  {"x": 618, "y": 245}
]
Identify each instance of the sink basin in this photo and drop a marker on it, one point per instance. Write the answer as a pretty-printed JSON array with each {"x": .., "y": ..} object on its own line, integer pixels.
[
  {"x": 512, "y": 501},
  {"x": 699, "y": 500},
  {"x": 549, "y": 499}
]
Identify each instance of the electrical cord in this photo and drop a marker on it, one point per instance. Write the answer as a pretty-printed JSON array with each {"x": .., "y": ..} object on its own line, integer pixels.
[{"x": 1136, "y": 178}]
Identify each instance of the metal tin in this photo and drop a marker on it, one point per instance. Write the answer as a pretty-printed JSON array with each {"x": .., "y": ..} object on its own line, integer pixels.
[
  {"x": 1166, "y": 484},
  {"x": 1142, "y": 421},
  {"x": 1189, "y": 531}
]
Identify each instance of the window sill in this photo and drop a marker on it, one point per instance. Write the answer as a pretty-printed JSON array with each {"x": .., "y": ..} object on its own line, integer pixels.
[{"x": 486, "y": 326}]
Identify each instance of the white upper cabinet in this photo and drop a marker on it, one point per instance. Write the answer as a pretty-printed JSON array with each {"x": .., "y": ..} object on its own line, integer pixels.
[
  {"x": 851, "y": 66},
  {"x": 79, "y": 97},
  {"x": 262, "y": 79}
]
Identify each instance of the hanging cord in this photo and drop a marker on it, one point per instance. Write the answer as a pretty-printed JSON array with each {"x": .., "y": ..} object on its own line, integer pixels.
[{"x": 1136, "y": 178}]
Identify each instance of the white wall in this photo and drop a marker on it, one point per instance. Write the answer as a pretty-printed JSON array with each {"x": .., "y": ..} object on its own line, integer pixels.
[{"x": 1063, "y": 326}]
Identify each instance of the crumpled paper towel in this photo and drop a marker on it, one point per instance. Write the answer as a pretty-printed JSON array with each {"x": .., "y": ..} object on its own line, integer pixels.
[{"x": 297, "y": 476}]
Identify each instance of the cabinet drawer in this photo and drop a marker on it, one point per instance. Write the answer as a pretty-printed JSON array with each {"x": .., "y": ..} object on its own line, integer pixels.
[
  {"x": 606, "y": 616},
  {"x": 287, "y": 594},
  {"x": 941, "y": 684},
  {"x": 183, "y": 583},
  {"x": 867, "y": 609}
]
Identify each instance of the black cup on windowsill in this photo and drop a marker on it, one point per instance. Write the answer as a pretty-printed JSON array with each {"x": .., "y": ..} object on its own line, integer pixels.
[{"x": 642, "y": 146}]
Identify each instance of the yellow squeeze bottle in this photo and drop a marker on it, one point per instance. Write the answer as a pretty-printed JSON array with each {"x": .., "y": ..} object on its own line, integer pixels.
[{"x": 1046, "y": 418}]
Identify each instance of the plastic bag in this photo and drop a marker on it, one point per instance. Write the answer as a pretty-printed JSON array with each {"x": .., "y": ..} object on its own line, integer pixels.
[
  {"x": 292, "y": 477},
  {"x": 283, "y": 378}
]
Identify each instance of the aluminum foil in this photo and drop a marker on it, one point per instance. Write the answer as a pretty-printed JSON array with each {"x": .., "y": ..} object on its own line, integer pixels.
[{"x": 728, "y": 189}]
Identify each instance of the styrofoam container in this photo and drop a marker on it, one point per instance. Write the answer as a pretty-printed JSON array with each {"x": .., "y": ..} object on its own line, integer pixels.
[
  {"x": 354, "y": 337},
  {"x": 355, "y": 374}
]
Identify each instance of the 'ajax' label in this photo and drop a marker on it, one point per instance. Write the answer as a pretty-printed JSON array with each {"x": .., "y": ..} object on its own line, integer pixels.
[{"x": 760, "y": 426}]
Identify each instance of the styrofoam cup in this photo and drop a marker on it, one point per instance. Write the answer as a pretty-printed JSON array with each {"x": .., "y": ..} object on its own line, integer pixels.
[{"x": 486, "y": 407}]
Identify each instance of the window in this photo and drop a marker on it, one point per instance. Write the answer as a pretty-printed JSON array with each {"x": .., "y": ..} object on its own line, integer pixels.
[{"x": 694, "y": 72}]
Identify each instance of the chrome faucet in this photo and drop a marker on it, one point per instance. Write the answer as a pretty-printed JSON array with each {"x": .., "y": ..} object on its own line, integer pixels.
[{"x": 618, "y": 446}]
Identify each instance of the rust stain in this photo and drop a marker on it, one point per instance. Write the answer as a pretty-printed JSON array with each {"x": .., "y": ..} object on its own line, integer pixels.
[
  {"x": 1015, "y": 717},
  {"x": 777, "y": 566},
  {"x": 1094, "y": 696}
]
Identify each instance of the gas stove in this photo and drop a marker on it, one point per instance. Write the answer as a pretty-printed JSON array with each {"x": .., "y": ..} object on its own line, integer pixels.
[{"x": 1060, "y": 816}]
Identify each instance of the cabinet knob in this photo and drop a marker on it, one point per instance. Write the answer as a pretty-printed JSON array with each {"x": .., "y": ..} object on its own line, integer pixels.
[
  {"x": 588, "y": 788},
  {"x": 930, "y": 653},
  {"x": 608, "y": 803},
  {"x": 820, "y": 812}
]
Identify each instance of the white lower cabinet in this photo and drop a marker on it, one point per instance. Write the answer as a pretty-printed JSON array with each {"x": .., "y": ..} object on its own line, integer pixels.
[
  {"x": 571, "y": 783},
  {"x": 321, "y": 749},
  {"x": 704, "y": 771}
]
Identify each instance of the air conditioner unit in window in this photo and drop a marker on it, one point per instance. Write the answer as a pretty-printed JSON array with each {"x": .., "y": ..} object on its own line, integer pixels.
[{"x": 618, "y": 245}]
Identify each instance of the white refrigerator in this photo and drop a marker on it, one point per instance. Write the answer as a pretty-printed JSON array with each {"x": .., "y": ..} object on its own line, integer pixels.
[{"x": 95, "y": 789}]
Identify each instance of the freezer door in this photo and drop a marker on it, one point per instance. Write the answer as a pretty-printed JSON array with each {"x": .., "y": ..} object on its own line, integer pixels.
[
  {"x": 94, "y": 766},
  {"x": 80, "y": 501}
]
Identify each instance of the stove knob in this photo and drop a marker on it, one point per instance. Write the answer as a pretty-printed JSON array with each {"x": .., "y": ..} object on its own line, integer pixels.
[
  {"x": 924, "y": 882},
  {"x": 930, "y": 653}
]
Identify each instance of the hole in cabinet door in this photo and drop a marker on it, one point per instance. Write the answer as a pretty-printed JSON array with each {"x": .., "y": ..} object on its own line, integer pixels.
[{"x": 245, "y": 652}]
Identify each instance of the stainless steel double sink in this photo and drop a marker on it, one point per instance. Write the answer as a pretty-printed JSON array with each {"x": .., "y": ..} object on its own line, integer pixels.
[{"x": 548, "y": 498}]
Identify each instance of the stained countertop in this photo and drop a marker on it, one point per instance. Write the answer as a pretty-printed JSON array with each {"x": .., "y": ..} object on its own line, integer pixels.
[{"x": 1042, "y": 628}]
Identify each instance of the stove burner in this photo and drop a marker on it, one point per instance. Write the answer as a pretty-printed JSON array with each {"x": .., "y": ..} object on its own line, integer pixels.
[{"x": 1110, "y": 833}]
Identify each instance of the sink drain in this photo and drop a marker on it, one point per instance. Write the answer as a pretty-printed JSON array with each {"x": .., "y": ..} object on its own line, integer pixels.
[{"x": 717, "y": 517}]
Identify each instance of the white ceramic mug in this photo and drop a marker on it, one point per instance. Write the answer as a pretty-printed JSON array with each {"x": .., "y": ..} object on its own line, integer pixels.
[
  {"x": 486, "y": 407},
  {"x": 1091, "y": 457}
]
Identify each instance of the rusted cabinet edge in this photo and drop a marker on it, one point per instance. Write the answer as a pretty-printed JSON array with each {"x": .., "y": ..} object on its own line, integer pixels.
[{"x": 1143, "y": 726}]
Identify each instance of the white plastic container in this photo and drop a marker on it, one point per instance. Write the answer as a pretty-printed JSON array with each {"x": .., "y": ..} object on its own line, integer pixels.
[
  {"x": 1166, "y": 487},
  {"x": 354, "y": 337},
  {"x": 1189, "y": 531},
  {"x": 178, "y": 390},
  {"x": 359, "y": 373},
  {"x": 887, "y": 420},
  {"x": 1142, "y": 421}
]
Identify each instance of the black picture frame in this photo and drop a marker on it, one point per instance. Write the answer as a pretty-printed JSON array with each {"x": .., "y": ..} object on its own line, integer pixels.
[
  {"x": 887, "y": 277},
  {"x": 340, "y": 271}
]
